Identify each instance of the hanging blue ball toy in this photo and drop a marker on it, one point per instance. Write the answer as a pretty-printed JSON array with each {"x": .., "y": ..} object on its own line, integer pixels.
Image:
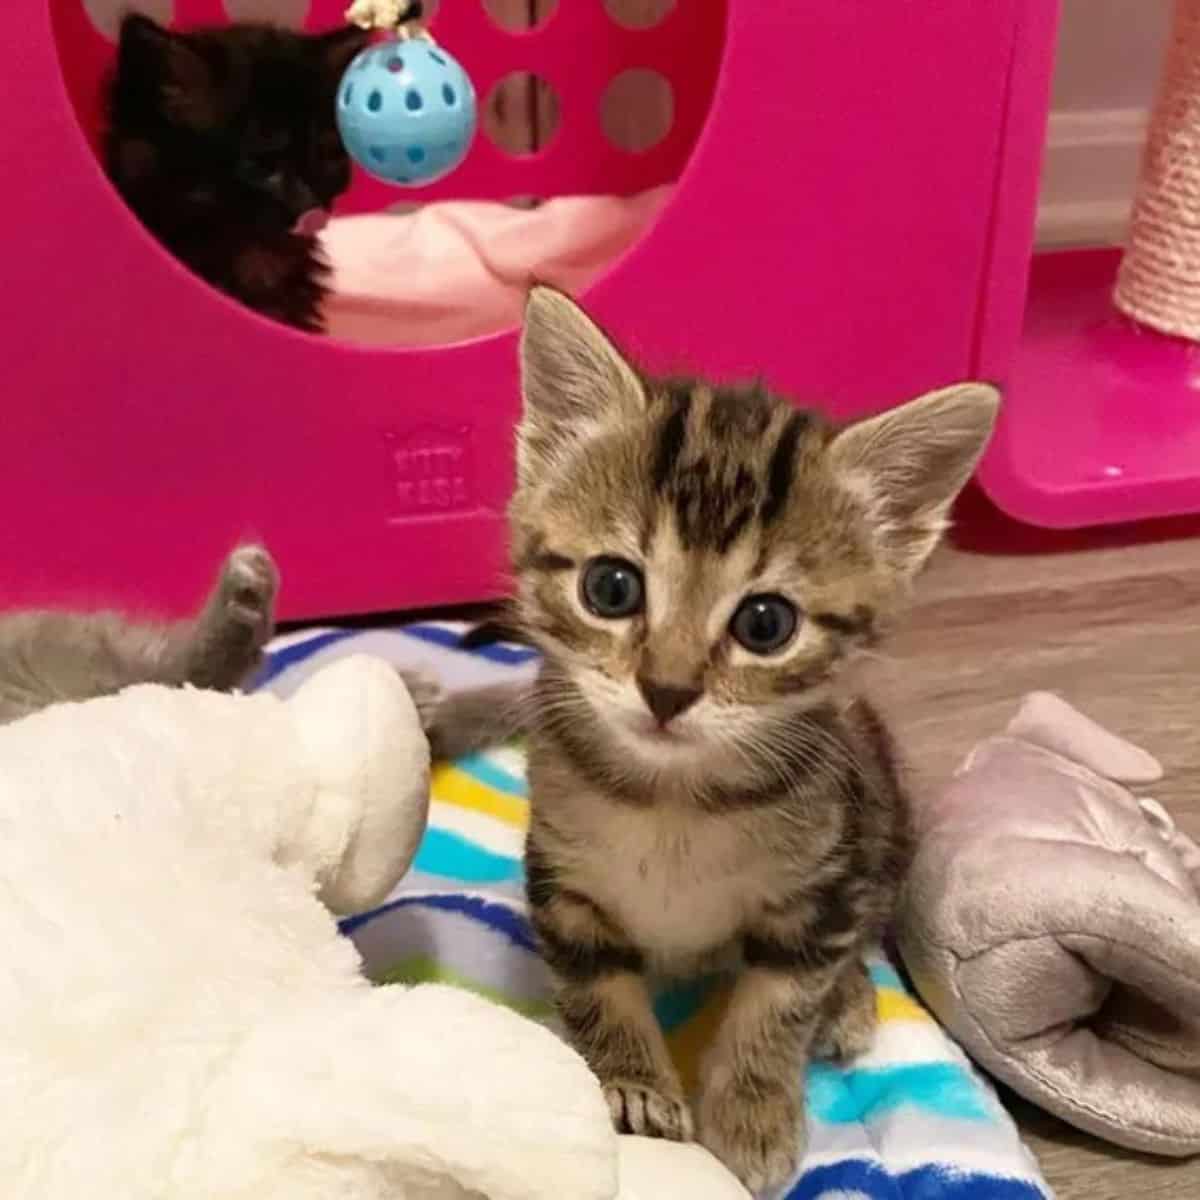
[{"x": 406, "y": 111}]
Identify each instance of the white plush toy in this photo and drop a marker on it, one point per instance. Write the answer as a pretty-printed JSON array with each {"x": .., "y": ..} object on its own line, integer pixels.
[{"x": 180, "y": 1018}]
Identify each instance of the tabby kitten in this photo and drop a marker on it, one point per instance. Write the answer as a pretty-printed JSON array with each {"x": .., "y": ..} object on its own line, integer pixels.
[
  {"x": 47, "y": 657},
  {"x": 698, "y": 564},
  {"x": 225, "y": 144}
]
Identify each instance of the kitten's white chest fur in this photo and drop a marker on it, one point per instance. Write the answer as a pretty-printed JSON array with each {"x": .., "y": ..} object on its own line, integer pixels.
[{"x": 679, "y": 883}]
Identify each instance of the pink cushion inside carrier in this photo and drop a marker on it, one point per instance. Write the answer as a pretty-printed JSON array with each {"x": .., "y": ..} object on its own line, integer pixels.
[{"x": 455, "y": 270}]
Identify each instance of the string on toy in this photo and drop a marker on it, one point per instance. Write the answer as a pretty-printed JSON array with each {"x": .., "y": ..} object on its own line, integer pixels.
[
  {"x": 410, "y": 23},
  {"x": 405, "y": 20}
]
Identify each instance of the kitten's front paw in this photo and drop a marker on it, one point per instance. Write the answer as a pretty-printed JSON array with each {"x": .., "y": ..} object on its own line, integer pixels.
[
  {"x": 758, "y": 1133},
  {"x": 851, "y": 1021},
  {"x": 249, "y": 582},
  {"x": 426, "y": 692},
  {"x": 641, "y": 1109}
]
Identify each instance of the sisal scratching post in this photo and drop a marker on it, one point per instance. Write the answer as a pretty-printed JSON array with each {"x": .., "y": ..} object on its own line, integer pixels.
[{"x": 1159, "y": 280}]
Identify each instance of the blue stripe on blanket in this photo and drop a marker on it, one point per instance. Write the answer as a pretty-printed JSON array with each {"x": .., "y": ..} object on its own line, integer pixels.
[
  {"x": 449, "y": 856},
  {"x": 848, "y": 1095},
  {"x": 512, "y": 925},
  {"x": 849, "y": 1179},
  {"x": 279, "y": 660},
  {"x": 884, "y": 975},
  {"x": 498, "y": 652},
  {"x": 860, "y": 1179},
  {"x": 677, "y": 1005},
  {"x": 492, "y": 775}
]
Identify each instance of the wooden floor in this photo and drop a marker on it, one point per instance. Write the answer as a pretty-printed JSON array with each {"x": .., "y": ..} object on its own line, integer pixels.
[{"x": 1115, "y": 632}]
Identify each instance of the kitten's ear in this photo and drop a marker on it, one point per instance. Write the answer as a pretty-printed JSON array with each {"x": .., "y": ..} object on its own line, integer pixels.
[
  {"x": 574, "y": 381},
  {"x": 338, "y": 49},
  {"x": 149, "y": 51},
  {"x": 909, "y": 464}
]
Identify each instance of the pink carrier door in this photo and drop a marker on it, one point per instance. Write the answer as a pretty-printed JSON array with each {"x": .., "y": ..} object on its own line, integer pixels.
[{"x": 851, "y": 221}]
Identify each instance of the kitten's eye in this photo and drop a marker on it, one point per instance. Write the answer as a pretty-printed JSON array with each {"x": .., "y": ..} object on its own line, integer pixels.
[
  {"x": 764, "y": 624},
  {"x": 612, "y": 588}
]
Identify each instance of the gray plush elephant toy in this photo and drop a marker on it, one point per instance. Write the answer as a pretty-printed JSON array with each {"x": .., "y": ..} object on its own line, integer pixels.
[{"x": 1052, "y": 922}]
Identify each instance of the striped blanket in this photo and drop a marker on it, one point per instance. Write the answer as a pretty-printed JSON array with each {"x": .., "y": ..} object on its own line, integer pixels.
[{"x": 910, "y": 1121}]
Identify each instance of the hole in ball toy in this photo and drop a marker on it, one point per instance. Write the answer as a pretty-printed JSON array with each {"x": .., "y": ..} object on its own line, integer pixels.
[
  {"x": 395, "y": 64},
  {"x": 348, "y": 95},
  {"x": 415, "y": 154},
  {"x": 449, "y": 95},
  {"x": 413, "y": 101},
  {"x": 437, "y": 58},
  {"x": 375, "y": 101},
  {"x": 377, "y": 153}
]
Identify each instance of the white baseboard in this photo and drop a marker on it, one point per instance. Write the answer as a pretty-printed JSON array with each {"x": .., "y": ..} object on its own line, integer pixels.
[{"x": 1089, "y": 176}]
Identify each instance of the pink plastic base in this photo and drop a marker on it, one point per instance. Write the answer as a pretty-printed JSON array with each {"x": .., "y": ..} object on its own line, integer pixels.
[{"x": 1102, "y": 420}]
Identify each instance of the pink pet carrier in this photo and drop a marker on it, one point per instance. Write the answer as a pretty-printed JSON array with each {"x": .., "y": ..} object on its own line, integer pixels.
[{"x": 852, "y": 220}]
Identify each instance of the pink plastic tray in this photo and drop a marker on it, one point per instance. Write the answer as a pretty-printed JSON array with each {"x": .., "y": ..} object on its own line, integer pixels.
[{"x": 1101, "y": 424}]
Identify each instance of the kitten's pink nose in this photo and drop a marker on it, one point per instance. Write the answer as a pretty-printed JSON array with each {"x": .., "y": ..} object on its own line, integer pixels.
[{"x": 665, "y": 701}]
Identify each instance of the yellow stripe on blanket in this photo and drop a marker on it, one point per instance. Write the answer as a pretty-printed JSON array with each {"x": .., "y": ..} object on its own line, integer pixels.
[
  {"x": 894, "y": 1005},
  {"x": 479, "y": 829},
  {"x": 454, "y": 786},
  {"x": 690, "y": 1040}
]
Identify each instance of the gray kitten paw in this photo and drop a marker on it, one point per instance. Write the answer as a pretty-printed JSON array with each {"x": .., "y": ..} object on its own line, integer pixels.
[
  {"x": 426, "y": 692},
  {"x": 247, "y": 589}
]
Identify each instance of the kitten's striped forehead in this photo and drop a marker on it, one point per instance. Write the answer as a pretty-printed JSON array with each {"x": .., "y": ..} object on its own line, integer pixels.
[{"x": 725, "y": 460}]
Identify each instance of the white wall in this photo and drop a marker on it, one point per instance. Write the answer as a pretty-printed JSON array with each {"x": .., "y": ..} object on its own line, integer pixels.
[{"x": 1109, "y": 57}]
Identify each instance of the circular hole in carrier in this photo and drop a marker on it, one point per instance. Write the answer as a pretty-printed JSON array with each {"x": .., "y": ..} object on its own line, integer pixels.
[
  {"x": 522, "y": 114},
  {"x": 638, "y": 110},
  {"x": 639, "y": 14},
  {"x": 520, "y": 16},
  {"x": 599, "y": 157},
  {"x": 291, "y": 14},
  {"x": 105, "y": 15}
]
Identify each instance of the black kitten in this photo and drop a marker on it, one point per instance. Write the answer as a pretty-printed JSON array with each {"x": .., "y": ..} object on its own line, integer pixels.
[{"x": 221, "y": 141}]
